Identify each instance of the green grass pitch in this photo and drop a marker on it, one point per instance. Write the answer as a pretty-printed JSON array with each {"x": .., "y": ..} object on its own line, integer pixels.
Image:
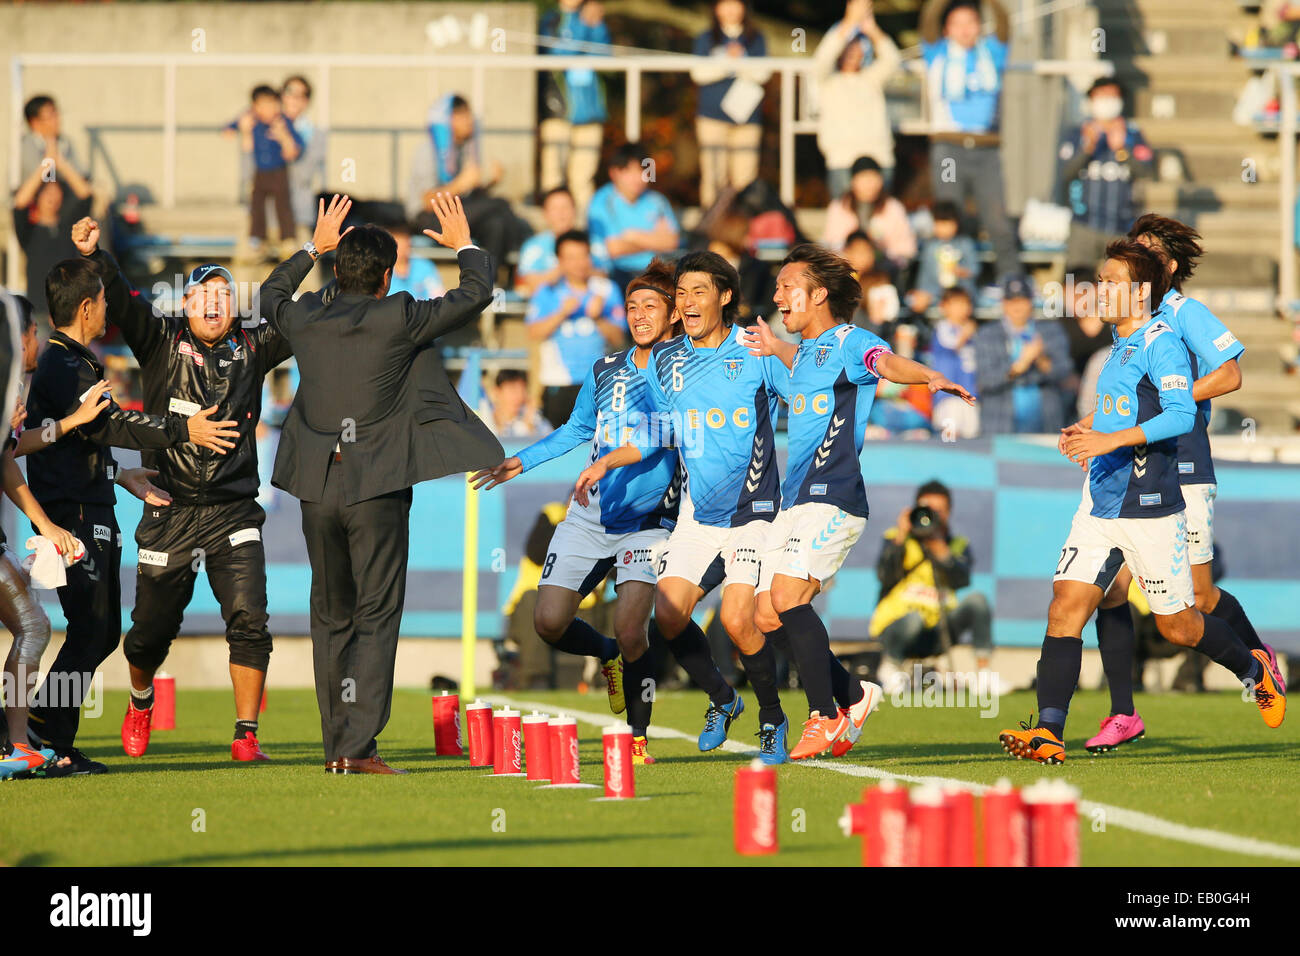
[{"x": 1207, "y": 762}]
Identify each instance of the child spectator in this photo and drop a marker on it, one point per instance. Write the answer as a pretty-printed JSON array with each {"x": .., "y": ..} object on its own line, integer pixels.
[
  {"x": 854, "y": 60},
  {"x": 964, "y": 82},
  {"x": 951, "y": 352},
  {"x": 729, "y": 126},
  {"x": 629, "y": 219},
  {"x": 307, "y": 172},
  {"x": 868, "y": 206},
  {"x": 507, "y": 410},
  {"x": 947, "y": 260},
  {"x": 537, "y": 264},
  {"x": 418, "y": 276},
  {"x": 270, "y": 138},
  {"x": 575, "y": 320},
  {"x": 573, "y": 101}
]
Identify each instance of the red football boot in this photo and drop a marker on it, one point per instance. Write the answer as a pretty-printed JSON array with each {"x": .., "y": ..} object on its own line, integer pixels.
[
  {"x": 135, "y": 730},
  {"x": 247, "y": 749}
]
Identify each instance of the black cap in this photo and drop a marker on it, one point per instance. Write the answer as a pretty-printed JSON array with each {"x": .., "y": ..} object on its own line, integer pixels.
[{"x": 1017, "y": 287}]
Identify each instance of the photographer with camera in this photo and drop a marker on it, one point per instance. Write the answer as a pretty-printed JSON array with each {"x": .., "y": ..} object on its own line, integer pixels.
[{"x": 920, "y": 568}]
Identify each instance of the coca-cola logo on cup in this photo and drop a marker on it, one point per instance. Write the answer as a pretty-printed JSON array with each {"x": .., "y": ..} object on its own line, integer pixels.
[
  {"x": 614, "y": 768},
  {"x": 762, "y": 806},
  {"x": 893, "y": 832},
  {"x": 573, "y": 756},
  {"x": 515, "y": 744}
]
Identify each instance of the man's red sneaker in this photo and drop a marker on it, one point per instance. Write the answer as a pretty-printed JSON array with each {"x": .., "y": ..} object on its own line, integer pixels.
[
  {"x": 135, "y": 730},
  {"x": 247, "y": 749}
]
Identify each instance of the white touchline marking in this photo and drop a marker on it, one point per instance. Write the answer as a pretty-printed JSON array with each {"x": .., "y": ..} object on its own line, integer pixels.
[{"x": 1115, "y": 816}]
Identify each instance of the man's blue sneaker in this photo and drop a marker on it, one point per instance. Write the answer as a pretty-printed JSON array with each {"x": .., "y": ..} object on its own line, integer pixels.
[
  {"x": 771, "y": 743},
  {"x": 717, "y": 721}
]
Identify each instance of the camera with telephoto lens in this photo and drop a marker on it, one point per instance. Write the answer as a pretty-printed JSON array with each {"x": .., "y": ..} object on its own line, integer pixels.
[{"x": 926, "y": 525}]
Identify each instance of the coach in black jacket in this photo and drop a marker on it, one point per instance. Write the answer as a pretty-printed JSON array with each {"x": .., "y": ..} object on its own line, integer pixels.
[{"x": 365, "y": 427}]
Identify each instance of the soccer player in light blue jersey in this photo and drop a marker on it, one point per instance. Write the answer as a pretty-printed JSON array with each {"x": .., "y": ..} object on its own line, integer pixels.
[
  {"x": 717, "y": 405},
  {"x": 1214, "y": 353},
  {"x": 1133, "y": 511},
  {"x": 623, "y": 522},
  {"x": 828, "y": 380}
]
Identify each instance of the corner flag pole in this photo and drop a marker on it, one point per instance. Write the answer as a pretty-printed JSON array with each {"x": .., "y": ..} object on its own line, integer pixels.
[{"x": 469, "y": 595}]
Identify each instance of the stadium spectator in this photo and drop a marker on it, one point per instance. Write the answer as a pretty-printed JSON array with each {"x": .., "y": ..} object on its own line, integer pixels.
[
  {"x": 270, "y": 138},
  {"x": 867, "y": 205},
  {"x": 947, "y": 260},
  {"x": 575, "y": 320},
  {"x": 44, "y": 138},
  {"x": 854, "y": 60},
  {"x": 631, "y": 221},
  {"x": 729, "y": 122},
  {"x": 921, "y": 567},
  {"x": 1089, "y": 339},
  {"x": 951, "y": 352},
  {"x": 449, "y": 160},
  {"x": 537, "y": 264},
  {"x": 573, "y": 101},
  {"x": 307, "y": 172},
  {"x": 964, "y": 84},
  {"x": 1020, "y": 367},
  {"x": 1100, "y": 159},
  {"x": 507, "y": 409},
  {"x": 414, "y": 274},
  {"x": 729, "y": 238},
  {"x": 51, "y": 198},
  {"x": 879, "y": 306}
]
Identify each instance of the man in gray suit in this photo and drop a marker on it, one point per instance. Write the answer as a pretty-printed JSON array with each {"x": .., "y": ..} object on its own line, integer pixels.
[{"x": 374, "y": 414}]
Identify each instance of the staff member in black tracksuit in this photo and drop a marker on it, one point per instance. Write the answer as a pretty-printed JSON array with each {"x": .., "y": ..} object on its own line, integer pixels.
[
  {"x": 187, "y": 363},
  {"x": 73, "y": 480}
]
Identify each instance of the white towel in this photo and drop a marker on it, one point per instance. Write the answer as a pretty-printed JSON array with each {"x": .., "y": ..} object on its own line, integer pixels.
[{"x": 48, "y": 568}]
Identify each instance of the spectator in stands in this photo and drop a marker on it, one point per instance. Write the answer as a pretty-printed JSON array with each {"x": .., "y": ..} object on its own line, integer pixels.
[
  {"x": 964, "y": 84},
  {"x": 1021, "y": 365},
  {"x": 947, "y": 260},
  {"x": 729, "y": 123},
  {"x": 44, "y": 138},
  {"x": 575, "y": 320},
  {"x": 854, "y": 61},
  {"x": 1100, "y": 159},
  {"x": 449, "y": 160},
  {"x": 951, "y": 351},
  {"x": 921, "y": 567},
  {"x": 507, "y": 409},
  {"x": 573, "y": 101},
  {"x": 1089, "y": 338},
  {"x": 414, "y": 274},
  {"x": 269, "y": 137},
  {"x": 537, "y": 264},
  {"x": 878, "y": 308},
  {"x": 729, "y": 238},
  {"x": 307, "y": 172},
  {"x": 52, "y": 197},
  {"x": 633, "y": 222},
  {"x": 868, "y": 206}
]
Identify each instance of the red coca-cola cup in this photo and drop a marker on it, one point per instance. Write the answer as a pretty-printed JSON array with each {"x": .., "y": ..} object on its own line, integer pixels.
[
  {"x": 446, "y": 725},
  {"x": 164, "y": 703},
  {"x": 927, "y": 828},
  {"x": 620, "y": 782},
  {"x": 508, "y": 742},
  {"x": 1053, "y": 808},
  {"x": 564, "y": 751},
  {"x": 755, "y": 809},
  {"x": 886, "y": 825},
  {"x": 961, "y": 827},
  {"x": 1006, "y": 830},
  {"x": 537, "y": 746},
  {"x": 478, "y": 721}
]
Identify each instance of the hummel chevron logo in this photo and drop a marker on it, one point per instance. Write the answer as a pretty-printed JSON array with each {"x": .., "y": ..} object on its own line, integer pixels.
[
  {"x": 755, "y": 466},
  {"x": 824, "y": 449},
  {"x": 1140, "y": 461}
]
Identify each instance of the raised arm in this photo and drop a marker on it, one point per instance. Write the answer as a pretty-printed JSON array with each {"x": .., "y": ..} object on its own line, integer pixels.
[
  {"x": 143, "y": 328},
  {"x": 904, "y": 371},
  {"x": 426, "y": 319},
  {"x": 276, "y": 293}
]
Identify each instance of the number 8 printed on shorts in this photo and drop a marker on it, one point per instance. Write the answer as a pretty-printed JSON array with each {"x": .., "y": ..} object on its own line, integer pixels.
[{"x": 550, "y": 563}]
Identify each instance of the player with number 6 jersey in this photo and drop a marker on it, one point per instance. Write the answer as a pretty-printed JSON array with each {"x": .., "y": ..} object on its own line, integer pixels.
[{"x": 626, "y": 517}]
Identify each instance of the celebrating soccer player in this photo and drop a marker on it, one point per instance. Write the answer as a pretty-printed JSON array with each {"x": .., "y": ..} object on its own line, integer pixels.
[
  {"x": 829, "y": 386},
  {"x": 624, "y": 520},
  {"x": 1132, "y": 510},
  {"x": 1214, "y": 358},
  {"x": 718, "y": 406},
  {"x": 214, "y": 520}
]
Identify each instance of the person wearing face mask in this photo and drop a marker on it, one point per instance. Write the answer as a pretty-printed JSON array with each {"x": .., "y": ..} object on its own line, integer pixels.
[
  {"x": 204, "y": 359},
  {"x": 1100, "y": 159}
]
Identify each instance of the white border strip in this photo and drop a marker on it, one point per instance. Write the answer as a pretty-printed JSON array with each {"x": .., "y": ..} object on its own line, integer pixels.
[{"x": 1114, "y": 816}]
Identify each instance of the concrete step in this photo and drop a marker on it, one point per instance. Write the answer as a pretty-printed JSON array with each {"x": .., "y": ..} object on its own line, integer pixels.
[
  {"x": 1213, "y": 162},
  {"x": 1151, "y": 70},
  {"x": 1221, "y": 131},
  {"x": 1217, "y": 99},
  {"x": 1172, "y": 37},
  {"x": 1224, "y": 194},
  {"x": 1171, "y": 11}
]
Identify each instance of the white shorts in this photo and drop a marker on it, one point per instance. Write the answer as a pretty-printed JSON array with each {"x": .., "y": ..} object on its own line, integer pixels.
[
  {"x": 581, "y": 554},
  {"x": 693, "y": 547},
  {"x": 1200, "y": 522},
  {"x": 810, "y": 540},
  {"x": 1155, "y": 550}
]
